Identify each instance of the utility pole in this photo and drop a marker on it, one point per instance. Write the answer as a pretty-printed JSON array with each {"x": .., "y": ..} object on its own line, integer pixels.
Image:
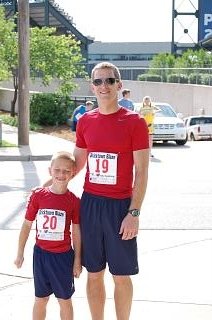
[{"x": 23, "y": 72}]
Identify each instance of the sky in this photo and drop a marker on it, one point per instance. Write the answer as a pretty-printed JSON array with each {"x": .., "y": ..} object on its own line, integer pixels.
[{"x": 132, "y": 20}]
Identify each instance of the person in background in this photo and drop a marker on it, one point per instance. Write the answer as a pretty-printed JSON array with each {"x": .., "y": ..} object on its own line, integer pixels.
[
  {"x": 148, "y": 110},
  {"x": 55, "y": 262},
  {"x": 125, "y": 100},
  {"x": 79, "y": 111},
  {"x": 112, "y": 141}
]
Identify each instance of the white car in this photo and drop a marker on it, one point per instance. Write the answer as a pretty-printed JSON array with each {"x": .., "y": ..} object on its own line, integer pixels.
[
  {"x": 199, "y": 127},
  {"x": 168, "y": 126}
]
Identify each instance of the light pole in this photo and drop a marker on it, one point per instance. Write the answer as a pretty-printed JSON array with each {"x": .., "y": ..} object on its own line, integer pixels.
[{"x": 23, "y": 72}]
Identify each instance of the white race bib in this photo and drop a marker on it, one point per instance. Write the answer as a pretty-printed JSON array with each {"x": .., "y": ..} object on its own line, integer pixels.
[
  {"x": 102, "y": 167},
  {"x": 51, "y": 224}
]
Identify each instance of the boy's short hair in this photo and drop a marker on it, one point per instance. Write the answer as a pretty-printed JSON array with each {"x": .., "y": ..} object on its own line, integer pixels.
[{"x": 64, "y": 155}]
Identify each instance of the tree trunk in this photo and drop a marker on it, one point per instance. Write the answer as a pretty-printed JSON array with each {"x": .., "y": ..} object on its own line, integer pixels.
[{"x": 13, "y": 102}]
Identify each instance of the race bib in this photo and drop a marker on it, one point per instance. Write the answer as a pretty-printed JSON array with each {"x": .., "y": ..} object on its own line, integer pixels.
[
  {"x": 51, "y": 224},
  {"x": 102, "y": 167}
]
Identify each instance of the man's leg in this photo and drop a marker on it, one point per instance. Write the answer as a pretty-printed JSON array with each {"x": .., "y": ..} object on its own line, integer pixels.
[
  {"x": 39, "y": 309},
  {"x": 66, "y": 309},
  {"x": 96, "y": 294},
  {"x": 123, "y": 296}
]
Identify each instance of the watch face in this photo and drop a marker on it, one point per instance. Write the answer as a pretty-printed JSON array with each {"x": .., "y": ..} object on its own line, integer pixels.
[{"x": 135, "y": 212}]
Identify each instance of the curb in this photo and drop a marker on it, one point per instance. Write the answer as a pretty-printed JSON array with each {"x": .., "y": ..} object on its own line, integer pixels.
[{"x": 25, "y": 157}]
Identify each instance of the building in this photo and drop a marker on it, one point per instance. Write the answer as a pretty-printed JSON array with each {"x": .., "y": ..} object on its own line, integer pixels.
[
  {"x": 48, "y": 13},
  {"x": 131, "y": 58}
]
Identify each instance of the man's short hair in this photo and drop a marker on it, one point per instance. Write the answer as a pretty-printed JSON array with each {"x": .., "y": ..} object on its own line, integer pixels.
[{"x": 125, "y": 91}]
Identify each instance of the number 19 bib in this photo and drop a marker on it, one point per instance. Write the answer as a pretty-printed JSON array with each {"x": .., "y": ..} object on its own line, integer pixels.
[{"x": 102, "y": 167}]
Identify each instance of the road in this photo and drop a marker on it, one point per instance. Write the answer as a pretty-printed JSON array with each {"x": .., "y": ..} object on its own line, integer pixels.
[
  {"x": 174, "y": 243},
  {"x": 178, "y": 195}
]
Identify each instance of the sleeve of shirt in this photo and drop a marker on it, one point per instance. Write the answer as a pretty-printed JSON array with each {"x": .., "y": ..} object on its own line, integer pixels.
[
  {"x": 140, "y": 134},
  {"x": 80, "y": 141},
  {"x": 32, "y": 206},
  {"x": 76, "y": 211}
]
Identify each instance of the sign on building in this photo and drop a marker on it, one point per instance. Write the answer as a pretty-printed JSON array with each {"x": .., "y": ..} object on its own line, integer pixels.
[{"x": 205, "y": 19}]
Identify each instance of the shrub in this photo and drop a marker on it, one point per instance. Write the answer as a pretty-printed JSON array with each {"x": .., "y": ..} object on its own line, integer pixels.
[
  {"x": 149, "y": 77},
  {"x": 207, "y": 79},
  {"x": 177, "y": 78},
  {"x": 195, "y": 78},
  {"x": 49, "y": 108}
]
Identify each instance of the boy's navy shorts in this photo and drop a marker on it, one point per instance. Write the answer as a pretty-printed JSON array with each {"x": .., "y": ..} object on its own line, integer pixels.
[
  {"x": 53, "y": 273},
  {"x": 101, "y": 219}
]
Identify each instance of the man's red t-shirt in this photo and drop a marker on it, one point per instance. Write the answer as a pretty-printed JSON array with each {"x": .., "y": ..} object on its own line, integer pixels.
[{"x": 110, "y": 141}]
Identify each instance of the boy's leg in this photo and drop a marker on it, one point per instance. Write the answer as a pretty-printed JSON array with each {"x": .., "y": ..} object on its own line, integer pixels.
[
  {"x": 123, "y": 296},
  {"x": 66, "y": 309},
  {"x": 96, "y": 294},
  {"x": 39, "y": 309}
]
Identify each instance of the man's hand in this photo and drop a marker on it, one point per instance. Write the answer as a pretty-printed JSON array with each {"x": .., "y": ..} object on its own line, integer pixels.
[
  {"x": 19, "y": 261},
  {"x": 77, "y": 268},
  {"x": 129, "y": 227}
]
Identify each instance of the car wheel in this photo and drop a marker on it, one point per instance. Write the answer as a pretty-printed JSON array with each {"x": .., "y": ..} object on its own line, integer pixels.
[
  {"x": 192, "y": 137},
  {"x": 181, "y": 142}
]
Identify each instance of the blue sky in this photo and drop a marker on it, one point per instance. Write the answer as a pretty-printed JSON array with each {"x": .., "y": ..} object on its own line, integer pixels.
[{"x": 132, "y": 20}]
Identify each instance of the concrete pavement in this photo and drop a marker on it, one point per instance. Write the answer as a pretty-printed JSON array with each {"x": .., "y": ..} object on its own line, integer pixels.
[{"x": 175, "y": 279}]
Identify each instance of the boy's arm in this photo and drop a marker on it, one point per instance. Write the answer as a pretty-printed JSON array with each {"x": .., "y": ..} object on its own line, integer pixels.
[
  {"x": 76, "y": 237},
  {"x": 23, "y": 236}
]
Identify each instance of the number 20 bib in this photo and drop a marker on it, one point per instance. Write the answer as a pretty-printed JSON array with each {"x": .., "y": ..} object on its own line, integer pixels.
[
  {"x": 51, "y": 224},
  {"x": 102, "y": 167}
]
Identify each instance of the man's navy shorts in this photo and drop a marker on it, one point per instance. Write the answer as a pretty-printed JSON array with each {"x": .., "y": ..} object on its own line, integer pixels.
[
  {"x": 53, "y": 273},
  {"x": 101, "y": 218}
]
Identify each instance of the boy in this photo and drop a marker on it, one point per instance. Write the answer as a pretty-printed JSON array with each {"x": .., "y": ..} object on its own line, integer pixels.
[{"x": 55, "y": 263}]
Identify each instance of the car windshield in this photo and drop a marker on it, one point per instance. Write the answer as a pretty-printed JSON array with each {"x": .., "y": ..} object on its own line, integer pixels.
[
  {"x": 165, "y": 111},
  {"x": 200, "y": 120}
]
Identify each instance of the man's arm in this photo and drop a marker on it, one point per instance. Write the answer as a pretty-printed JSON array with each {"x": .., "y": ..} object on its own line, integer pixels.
[
  {"x": 130, "y": 224},
  {"x": 80, "y": 157}
]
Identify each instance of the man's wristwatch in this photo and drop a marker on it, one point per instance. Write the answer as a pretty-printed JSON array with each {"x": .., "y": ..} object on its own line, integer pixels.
[{"x": 134, "y": 212}]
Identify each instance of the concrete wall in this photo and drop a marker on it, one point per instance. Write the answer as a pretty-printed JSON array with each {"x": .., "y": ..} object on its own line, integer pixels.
[{"x": 185, "y": 98}]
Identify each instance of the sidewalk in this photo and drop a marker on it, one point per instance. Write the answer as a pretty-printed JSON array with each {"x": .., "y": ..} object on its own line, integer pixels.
[
  {"x": 41, "y": 146},
  {"x": 175, "y": 279}
]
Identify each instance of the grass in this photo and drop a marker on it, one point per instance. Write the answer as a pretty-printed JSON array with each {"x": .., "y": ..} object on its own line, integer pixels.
[
  {"x": 4, "y": 144},
  {"x": 13, "y": 121}
]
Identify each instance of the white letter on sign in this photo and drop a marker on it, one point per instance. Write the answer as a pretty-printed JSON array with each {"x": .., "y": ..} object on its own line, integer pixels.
[{"x": 207, "y": 18}]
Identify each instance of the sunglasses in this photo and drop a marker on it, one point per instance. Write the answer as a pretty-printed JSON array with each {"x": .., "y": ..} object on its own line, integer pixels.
[{"x": 108, "y": 81}]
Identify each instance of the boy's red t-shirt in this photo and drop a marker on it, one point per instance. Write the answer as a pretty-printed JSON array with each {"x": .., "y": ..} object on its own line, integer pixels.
[{"x": 54, "y": 214}]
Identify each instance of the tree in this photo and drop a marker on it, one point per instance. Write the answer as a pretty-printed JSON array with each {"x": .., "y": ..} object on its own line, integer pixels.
[
  {"x": 51, "y": 57},
  {"x": 194, "y": 59},
  {"x": 55, "y": 57},
  {"x": 161, "y": 63},
  {"x": 8, "y": 48}
]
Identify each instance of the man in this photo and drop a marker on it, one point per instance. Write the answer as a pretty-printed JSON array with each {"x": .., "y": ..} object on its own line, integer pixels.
[
  {"x": 79, "y": 111},
  {"x": 125, "y": 101},
  {"x": 112, "y": 141}
]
